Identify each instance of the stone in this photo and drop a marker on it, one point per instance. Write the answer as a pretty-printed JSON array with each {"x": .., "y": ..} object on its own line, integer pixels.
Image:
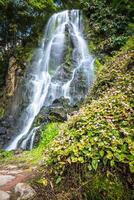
[
  {"x": 24, "y": 192},
  {"x": 11, "y": 172},
  {"x": 11, "y": 167},
  {"x": 4, "y": 179},
  {"x": 4, "y": 195},
  {"x": 3, "y": 130}
]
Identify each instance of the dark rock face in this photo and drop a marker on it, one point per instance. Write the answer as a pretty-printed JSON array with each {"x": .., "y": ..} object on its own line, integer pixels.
[
  {"x": 3, "y": 130},
  {"x": 57, "y": 112},
  {"x": 6, "y": 130},
  {"x": 14, "y": 76}
]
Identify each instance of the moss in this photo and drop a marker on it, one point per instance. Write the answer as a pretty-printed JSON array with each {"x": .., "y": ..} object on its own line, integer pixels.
[
  {"x": 5, "y": 155},
  {"x": 92, "y": 47},
  {"x": 129, "y": 44},
  {"x": 48, "y": 133},
  {"x": 98, "y": 66}
]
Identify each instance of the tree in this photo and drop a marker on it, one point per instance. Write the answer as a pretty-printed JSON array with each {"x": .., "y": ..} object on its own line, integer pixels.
[{"x": 21, "y": 24}]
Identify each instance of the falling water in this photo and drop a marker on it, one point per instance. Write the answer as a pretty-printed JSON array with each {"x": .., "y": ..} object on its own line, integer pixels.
[{"x": 47, "y": 79}]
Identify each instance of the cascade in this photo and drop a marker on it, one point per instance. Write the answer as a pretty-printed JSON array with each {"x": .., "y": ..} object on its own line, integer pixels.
[{"x": 48, "y": 78}]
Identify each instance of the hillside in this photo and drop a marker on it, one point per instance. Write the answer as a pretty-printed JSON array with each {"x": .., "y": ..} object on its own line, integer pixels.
[{"x": 92, "y": 158}]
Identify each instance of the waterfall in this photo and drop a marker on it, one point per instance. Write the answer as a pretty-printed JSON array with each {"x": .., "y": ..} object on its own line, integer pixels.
[{"x": 48, "y": 78}]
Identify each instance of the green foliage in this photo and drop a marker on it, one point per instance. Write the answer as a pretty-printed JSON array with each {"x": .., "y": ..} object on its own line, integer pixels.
[
  {"x": 98, "y": 66},
  {"x": 70, "y": 4},
  {"x": 92, "y": 47},
  {"x": 105, "y": 186},
  {"x": 5, "y": 155},
  {"x": 129, "y": 44},
  {"x": 124, "y": 6},
  {"x": 109, "y": 25},
  {"x": 95, "y": 147},
  {"x": 21, "y": 25},
  {"x": 100, "y": 135},
  {"x": 49, "y": 132},
  {"x": 42, "y": 4}
]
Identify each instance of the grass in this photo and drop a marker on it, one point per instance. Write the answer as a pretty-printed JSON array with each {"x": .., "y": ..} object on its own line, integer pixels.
[{"x": 33, "y": 157}]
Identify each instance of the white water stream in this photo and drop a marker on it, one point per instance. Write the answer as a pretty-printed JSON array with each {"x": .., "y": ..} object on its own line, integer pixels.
[{"x": 45, "y": 83}]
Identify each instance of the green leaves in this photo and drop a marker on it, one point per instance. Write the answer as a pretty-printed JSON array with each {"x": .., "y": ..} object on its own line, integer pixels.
[
  {"x": 95, "y": 164},
  {"x": 109, "y": 155},
  {"x": 2, "y": 2},
  {"x": 131, "y": 166},
  {"x": 108, "y": 30},
  {"x": 21, "y": 36},
  {"x": 58, "y": 180},
  {"x": 112, "y": 163},
  {"x": 100, "y": 134},
  {"x": 101, "y": 153},
  {"x": 42, "y": 4}
]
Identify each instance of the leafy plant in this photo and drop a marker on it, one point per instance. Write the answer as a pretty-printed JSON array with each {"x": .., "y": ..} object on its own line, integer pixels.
[{"x": 101, "y": 133}]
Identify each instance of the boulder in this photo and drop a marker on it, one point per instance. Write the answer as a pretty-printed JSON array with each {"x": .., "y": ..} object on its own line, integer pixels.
[
  {"x": 24, "y": 192},
  {"x": 3, "y": 130},
  {"x": 6, "y": 130},
  {"x": 4, "y": 195},
  {"x": 4, "y": 179}
]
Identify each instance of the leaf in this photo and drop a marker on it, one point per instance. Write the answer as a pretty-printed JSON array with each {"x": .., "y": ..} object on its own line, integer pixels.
[
  {"x": 58, "y": 180},
  {"x": 45, "y": 182},
  {"x": 101, "y": 153},
  {"x": 94, "y": 164},
  {"x": 69, "y": 160},
  {"x": 131, "y": 167},
  {"x": 105, "y": 161},
  {"x": 89, "y": 167},
  {"x": 120, "y": 156},
  {"x": 109, "y": 155},
  {"x": 112, "y": 163},
  {"x": 81, "y": 159},
  {"x": 74, "y": 159}
]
